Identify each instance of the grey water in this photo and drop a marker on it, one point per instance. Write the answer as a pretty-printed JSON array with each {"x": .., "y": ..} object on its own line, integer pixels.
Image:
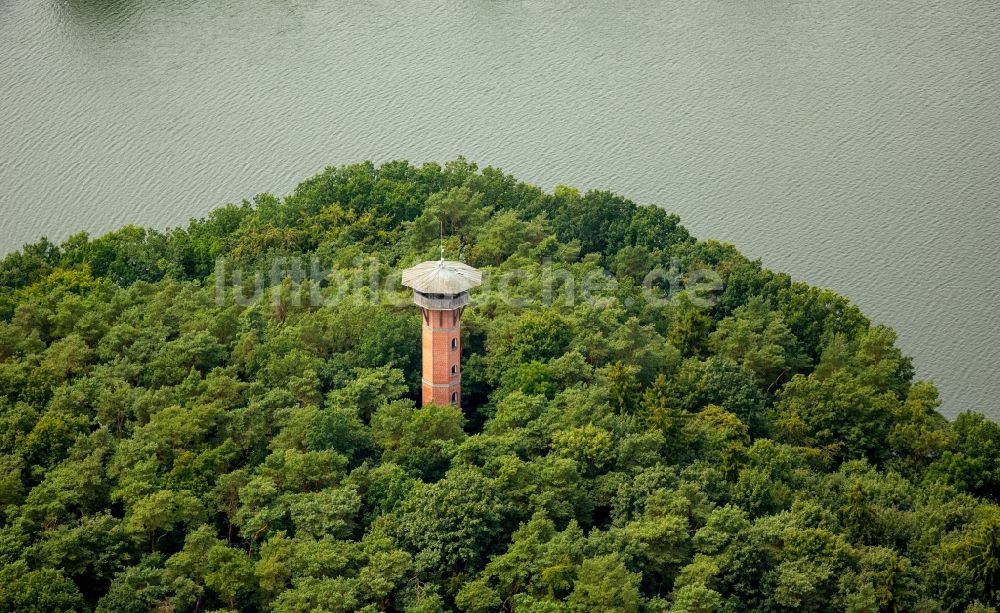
[{"x": 853, "y": 144}]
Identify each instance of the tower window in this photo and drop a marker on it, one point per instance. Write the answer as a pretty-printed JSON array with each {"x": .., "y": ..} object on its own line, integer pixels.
[
  {"x": 454, "y": 369},
  {"x": 454, "y": 344},
  {"x": 454, "y": 397}
]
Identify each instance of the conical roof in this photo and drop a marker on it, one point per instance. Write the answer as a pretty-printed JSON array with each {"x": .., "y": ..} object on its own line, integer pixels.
[{"x": 442, "y": 277}]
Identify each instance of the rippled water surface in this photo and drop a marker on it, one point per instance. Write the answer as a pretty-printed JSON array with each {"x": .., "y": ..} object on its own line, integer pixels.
[{"x": 854, "y": 144}]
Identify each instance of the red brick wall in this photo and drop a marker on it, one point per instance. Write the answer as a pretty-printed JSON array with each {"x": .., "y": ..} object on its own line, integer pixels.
[{"x": 440, "y": 328}]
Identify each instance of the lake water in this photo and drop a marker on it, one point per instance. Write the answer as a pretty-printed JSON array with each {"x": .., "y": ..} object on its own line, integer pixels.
[{"x": 854, "y": 144}]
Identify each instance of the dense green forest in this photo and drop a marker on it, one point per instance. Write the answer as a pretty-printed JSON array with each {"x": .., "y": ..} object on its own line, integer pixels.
[{"x": 754, "y": 445}]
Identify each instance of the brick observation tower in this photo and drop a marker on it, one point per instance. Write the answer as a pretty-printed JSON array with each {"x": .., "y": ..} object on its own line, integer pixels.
[{"x": 441, "y": 289}]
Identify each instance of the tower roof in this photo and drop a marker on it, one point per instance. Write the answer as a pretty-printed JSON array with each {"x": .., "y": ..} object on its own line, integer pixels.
[{"x": 442, "y": 277}]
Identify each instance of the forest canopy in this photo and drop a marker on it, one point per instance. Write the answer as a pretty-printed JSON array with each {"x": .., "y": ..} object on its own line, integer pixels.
[{"x": 226, "y": 417}]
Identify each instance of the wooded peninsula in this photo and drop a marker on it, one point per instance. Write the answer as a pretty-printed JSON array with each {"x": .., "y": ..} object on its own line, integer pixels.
[{"x": 227, "y": 417}]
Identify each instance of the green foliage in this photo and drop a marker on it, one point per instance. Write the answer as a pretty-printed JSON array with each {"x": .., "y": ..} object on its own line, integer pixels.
[
  {"x": 604, "y": 584},
  {"x": 973, "y": 463},
  {"x": 420, "y": 439},
  {"x": 760, "y": 341},
  {"x": 758, "y": 447},
  {"x": 453, "y": 524},
  {"x": 37, "y": 591},
  {"x": 456, "y": 212},
  {"x": 838, "y": 415}
]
